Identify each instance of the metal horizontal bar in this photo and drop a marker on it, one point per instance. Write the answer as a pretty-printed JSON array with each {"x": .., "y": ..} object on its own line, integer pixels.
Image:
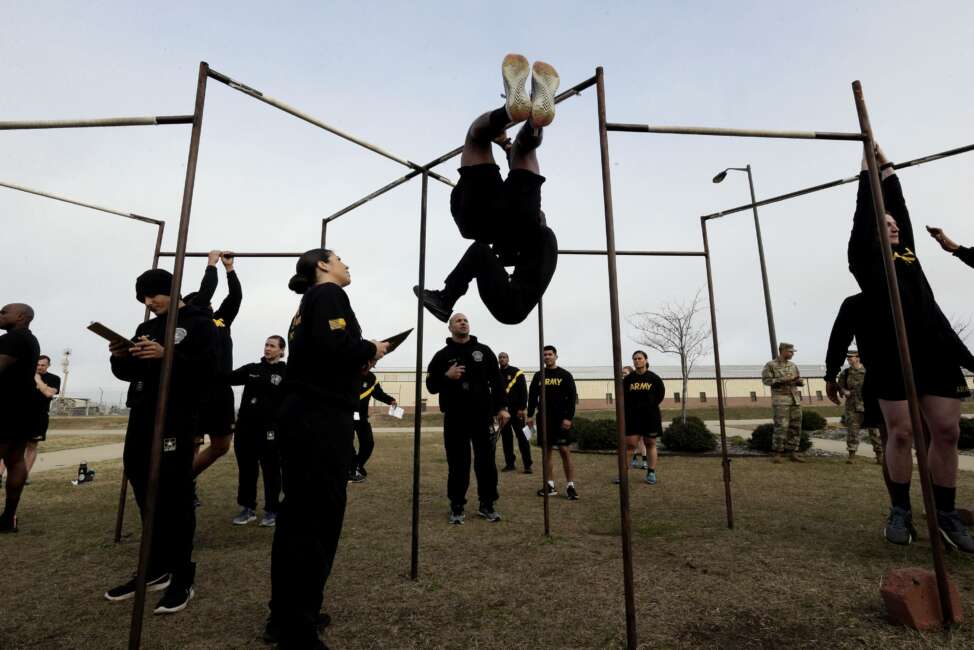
[
  {"x": 276, "y": 103},
  {"x": 569, "y": 92},
  {"x": 642, "y": 253},
  {"x": 842, "y": 181},
  {"x": 157, "y": 120},
  {"x": 743, "y": 133},
  {"x": 56, "y": 197},
  {"x": 235, "y": 254}
]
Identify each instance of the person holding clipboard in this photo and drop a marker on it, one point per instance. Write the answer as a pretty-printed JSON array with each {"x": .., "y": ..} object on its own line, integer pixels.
[{"x": 315, "y": 432}]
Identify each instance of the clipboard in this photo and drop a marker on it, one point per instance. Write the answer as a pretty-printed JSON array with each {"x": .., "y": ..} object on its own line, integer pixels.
[
  {"x": 396, "y": 340},
  {"x": 108, "y": 334}
]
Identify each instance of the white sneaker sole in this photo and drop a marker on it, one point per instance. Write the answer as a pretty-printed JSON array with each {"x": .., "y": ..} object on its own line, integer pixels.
[
  {"x": 130, "y": 595},
  {"x": 268, "y": 524},
  {"x": 179, "y": 608},
  {"x": 544, "y": 87},
  {"x": 515, "y": 70},
  {"x": 244, "y": 523}
]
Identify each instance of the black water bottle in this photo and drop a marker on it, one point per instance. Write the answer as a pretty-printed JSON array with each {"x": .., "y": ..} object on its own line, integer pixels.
[{"x": 83, "y": 471}]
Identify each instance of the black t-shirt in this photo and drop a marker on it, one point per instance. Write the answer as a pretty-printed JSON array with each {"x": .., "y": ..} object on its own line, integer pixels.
[
  {"x": 643, "y": 395},
  {"x": 560, "y": 395},
  {"x": 327, "y": 348},
  {"x": 44, "y": 402},
  {"x": 17, "y": 386}
]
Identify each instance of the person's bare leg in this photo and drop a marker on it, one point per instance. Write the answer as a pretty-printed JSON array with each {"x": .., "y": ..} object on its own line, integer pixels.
[
  {"x": 899, "y": 441},
  {"x": 13, "y": 456},
  {"x": 549, "y": 462},
  {"x": 477, "y": 147},
  {"x": 566, "y": 461},
  {"x": 653, "y": 455},
  {"x": 219, "y": 446},
  {"x": 30, "y": 455},
  {"x": 524, "y": 151},
  {"x": 942, "y": 415}
]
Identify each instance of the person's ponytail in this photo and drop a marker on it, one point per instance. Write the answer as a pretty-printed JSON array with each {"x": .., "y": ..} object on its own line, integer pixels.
[{"x": 307, "y": 269}]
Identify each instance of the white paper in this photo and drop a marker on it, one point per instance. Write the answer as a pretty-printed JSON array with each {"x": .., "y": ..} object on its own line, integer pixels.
[
  {"x": 528, "y": 432},
  {"x": 355, "y": 416},
  {"x": 397, "y": 412}
]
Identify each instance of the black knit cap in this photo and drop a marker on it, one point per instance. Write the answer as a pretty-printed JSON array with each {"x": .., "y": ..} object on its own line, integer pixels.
[{"x": 153, "y": 282}]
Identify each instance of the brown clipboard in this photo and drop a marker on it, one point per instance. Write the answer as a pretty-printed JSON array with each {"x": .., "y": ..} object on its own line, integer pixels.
[{"x": 108, "y": 334}]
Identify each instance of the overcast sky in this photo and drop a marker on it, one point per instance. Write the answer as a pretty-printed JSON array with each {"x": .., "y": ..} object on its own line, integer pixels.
[{"x": 410, "y": 77}]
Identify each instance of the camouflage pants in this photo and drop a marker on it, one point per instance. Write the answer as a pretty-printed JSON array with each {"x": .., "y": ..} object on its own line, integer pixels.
[
  {"x": 787, "y": 427},
  {"x": 853, "y": 421}
]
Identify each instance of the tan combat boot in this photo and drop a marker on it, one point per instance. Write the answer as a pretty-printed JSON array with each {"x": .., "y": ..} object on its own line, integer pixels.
[
  {"x": 849, "y": 460},
  {"x": 795, "y": 458},
  {"x": 776, "y": 457}
]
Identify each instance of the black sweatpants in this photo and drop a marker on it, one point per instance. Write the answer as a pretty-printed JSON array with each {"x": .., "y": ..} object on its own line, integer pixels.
[
  {"x": 315, "y": 441},
  {"x": 366, "y": 442},
  {"x": 175, "y": 524},
  {"x": 256, "y": 452},
  {"x": 460, "y": 432},
  {"x": 515, "y": 427}
]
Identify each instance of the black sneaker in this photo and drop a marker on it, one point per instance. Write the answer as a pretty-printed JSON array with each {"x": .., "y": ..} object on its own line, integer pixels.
[
  {"x": 456, "y": 517},
  {"x": 899, "y": 527},
  {"x": 528, "y": 470},
  {"x": 571, "y": 493},
  {"x": 487, "y": 512},
  {"x": 8, "y": 524},
  {"x": 954, "y": 532},
  {"x": 552, "y": 491},
  {"x": 508, "y": 468},
  {"x": 356, "y": 477},
  {"x": 435, "y": 303},
  {"x": 175, "y": 599},
  {"x": 272, "y": 631},
  {"x": 127, "y": 590}
]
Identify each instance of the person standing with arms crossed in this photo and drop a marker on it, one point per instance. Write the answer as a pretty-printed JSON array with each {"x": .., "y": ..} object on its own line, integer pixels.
[
  {"x": 48, "y": 386},
  {"x": 516, "y": 395},
  {"x": 560, "y": 398},
  {"x": 782, "y": 375}
]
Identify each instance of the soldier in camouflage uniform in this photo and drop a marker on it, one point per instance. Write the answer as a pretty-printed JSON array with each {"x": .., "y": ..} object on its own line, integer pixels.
[
  {"x": 850, "y": 383},
  {"x": 786, "y": 402}
]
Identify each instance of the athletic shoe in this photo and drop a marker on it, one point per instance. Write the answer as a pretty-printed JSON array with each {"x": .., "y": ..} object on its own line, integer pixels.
[
  {"x": 616, "y": 481},
  {"x": 269, "y": 520},
  {"x": 356, "y": 476},
  {"x": 528, "y": 470},
  {"x": 127, "y": 590},
  {"x": 571, "y": 493},
  {"x": 635, "y": 461},
  {"x": 488, "y": 513},
  {"x": 175, "y": 599},
  {"x": 8, "y": 524},
  {"x": 954, "y": 532},
  {"x": 552, "y": 491},
  {"x": 509, "y": 468},
  {"x": 514, "y": 70},
  {"x": 795, "y": 457},
  {"x": 435, "y": 303},
  {"x": 456, "y": 517},
  {"x": 644, "y": 465},
  {"x": 544, "y": 86},
  {"x": 361, "y": 470},
  {"x": 246, "y": 516},
  {"x": 272, "y": 631},
  {"x": 651, "y": 477},
  {"x": 899, "y": 527}
]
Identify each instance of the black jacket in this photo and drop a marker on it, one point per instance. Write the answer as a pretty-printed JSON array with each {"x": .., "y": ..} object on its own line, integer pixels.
[
  {"x": 327, "y": 348},
  {"x": 515, "y": 388},
  {"x": 965, "y": 255},
  {"x": 480, "y": 391},
  {"x": 560, "y": 395},
  {"x": 371, "y": 388},
  {"x": 225, "y": 314},
  {"x": 194, "y": 366},
  {"x": 643, "y": 395},
  {"x": 262, "y": 393}
]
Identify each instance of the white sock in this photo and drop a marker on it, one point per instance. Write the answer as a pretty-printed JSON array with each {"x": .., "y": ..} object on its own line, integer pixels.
[
  {"x": 571, "y": 484},
  {"x": 551, "y": 483}
]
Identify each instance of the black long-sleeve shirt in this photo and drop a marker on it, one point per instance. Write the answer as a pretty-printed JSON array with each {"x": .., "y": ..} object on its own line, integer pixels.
[
  {"x": 965, "y": 255},
  {"x": 371, "y": 388},
  {"x": 327, "y": 348},
  {"x": 224, "y": 316},
  {"x": 515, "y": 389},
  {"x": 560, "y": 394},
  {"x": 479, "y": 391},
  {"x": 194, "y": 366},
  {"x": 262, "y": 393},
  {"x": 643, "y": 395}
]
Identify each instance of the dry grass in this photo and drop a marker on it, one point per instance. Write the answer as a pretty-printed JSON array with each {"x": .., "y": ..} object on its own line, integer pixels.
[
  {"x": 801, "y": 569},
  {"x": 60, "y": 442}
]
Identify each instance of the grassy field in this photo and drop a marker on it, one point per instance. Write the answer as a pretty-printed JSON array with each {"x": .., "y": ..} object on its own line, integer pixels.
[
  {"x": 801, "y": 569},
  {"x": 60, "y": 442}
]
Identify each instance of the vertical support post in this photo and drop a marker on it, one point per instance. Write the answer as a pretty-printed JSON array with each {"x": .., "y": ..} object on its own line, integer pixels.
[
  {"x": 772, "y": 335},
  {"x": 324, "y": 232},
  {"x": 123, "y": 488},
  {"x": 543, "y": 424},
  {"x": 623, "y": 465},
  {"x": 724, "y": 459},
  {"x": 165, "y": 373},
  {"x": 418, "y": 415},
  {"x": 903, "y": 345}
]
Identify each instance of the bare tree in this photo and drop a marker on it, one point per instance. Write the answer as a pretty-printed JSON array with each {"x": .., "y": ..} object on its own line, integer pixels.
[{"x": 675, "y": 328}]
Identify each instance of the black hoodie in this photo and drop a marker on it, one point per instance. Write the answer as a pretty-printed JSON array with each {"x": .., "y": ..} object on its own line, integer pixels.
[
  {"x": 479, "y": 391},
  {"x": 261, "y": 395}
]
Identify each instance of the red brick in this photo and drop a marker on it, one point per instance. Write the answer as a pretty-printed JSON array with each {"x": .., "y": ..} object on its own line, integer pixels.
[{"x": 910, "y": 596}]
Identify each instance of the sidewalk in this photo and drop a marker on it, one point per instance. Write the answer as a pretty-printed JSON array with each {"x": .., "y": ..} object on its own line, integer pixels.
[{"x": 71, "y": 458}]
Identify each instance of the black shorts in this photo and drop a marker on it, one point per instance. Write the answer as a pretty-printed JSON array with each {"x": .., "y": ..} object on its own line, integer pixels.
[
  {"x": 216, "y": 414},
  {"x": 555, "y": 436},
  {"x": 490, "y": 209},
  {"x": 40, "y": 434},
  {"x": 933, "y": 376}
]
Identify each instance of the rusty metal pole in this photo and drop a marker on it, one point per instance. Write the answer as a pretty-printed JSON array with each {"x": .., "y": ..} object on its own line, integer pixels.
[
  {"x": 622, "y": 461},
  {"x": 903, "y": 346},
  {"x": 165, "y": 376},
  {"x": 123, "y": 489},
  {"x": 543, "y": 424},
  {"x": 324, "y": 232},
  {"x": 418, "y": 413},
  {"x": 724, "y": 459},
  {"x": 772, "y": 335}
]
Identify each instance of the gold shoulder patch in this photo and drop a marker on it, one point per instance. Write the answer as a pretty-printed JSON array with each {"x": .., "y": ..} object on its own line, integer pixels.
[{"x": 337, "y": 323}]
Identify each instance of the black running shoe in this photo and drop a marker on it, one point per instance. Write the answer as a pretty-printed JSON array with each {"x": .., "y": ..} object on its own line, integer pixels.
[
  {"x": 508, "y": 468},
  {"x": 272, "y": 631},
  {"x": 954, "y": 532},
  {"x": 175, "y": 599},
  {"x": 571, "y": 493},
  {"x": 8, "y": 524},
  {"x": 487, "y": 512},
  {"x": 528, "y": 470},
  {"x": 127, "y": 590},
  {"x": 435, "y": 303},
  {"x": 899, "y": 527},
  {"x": 552, "y": 491}
]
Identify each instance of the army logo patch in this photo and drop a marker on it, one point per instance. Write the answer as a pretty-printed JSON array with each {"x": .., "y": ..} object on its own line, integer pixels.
[
  {"x": 180, "y": 334},
  {"x": 337, "y": 323},
  {"x": 478, "y": 356},
  {"x": 270, "y": 435},
  {"x": 169, "y": 444},
  {"x": 275, "y": 379}
]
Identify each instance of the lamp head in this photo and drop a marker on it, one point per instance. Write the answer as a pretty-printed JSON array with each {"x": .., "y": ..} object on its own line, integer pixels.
[{"x": 720, "y": 177}]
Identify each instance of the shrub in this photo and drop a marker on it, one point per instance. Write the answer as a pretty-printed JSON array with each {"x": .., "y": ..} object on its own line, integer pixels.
[
  {"x": 692, "y": 435},
  {"x": 762, "y": 436},
  {"x": 596, "y": 435},
  {"x": 813, "y": 421},
  {"x": 966, "y": 433},
  {"x": 737, "y": 441}
]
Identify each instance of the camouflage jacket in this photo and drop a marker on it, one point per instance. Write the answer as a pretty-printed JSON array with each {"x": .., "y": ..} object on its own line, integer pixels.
[
  {"x": 776, "y": 372},
  {"x": 851, "y": 380}
]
